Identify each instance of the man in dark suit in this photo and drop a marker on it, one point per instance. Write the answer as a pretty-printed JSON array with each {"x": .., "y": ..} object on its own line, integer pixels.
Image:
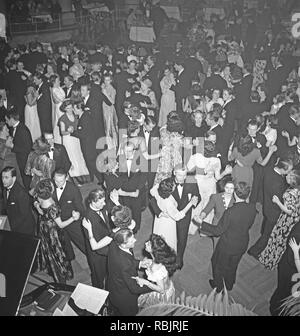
[
  {"x": 131, "y": 172},
  {"x": 193, "y": 65},
  {"x": 16, "y": 86},
  {"x": 150, "y": 132},
  {"x": 212, "y": 121},
  {"x": 99, "y": 56},
  {"x": 17, "y": 204},
  {"x": 63, "y": 63},
  {"x": 274, "y": 184},
  {"x": 290, "y": 126},
  {"x": 97, "y": 215},
  {"x": 44, "y": 104},
  {"x": 185, "y": 189},
  {"x": 57, "y": 153},
  {"x": 215, "y": 81},
  {"x": 68, "y": 86},
  {"x": 276, "y": 77},
  {"x": 122, "y": 268},
  {"x": 233, "y": 230},
  {"x": 242, "y": 89},
  {"x": 85, "y": 133},
  {"x": 7, "y": 102},
  {"x": 21, "y": 143},
  {"x": 93, "y": 100},
  {"x": 69, "y": 198},
  {"x": 34, "y": 58},
  {"x": 159, "y": 18},
  {"x": 182, "y": 87},
  {"x": 154, "y": 75}
]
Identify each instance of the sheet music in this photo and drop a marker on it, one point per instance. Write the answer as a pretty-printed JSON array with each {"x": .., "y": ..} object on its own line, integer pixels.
[{"x": 89, "y": 298}]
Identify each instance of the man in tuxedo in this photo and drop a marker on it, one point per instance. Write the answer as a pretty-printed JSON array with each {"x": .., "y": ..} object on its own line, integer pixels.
[
  {"x": 274, "y": 185},
  {"x": 44, "y": 104},
  {"x": 69, "y": 198},
  {"x": 6, "y": 103},
  {"x": 242, "y": 89},
  {"x": 154, "y": 75},
  {"x": 34, "y": 58},
  {"x": 63, "y": 63},
  {"x": 17, "y": 204},
  {"x": 21, "y": 143},
  {"x": 93, "y": 100},
  {"x": 288, "y": 126},
  {"x": 185, "y": 189},
  {"x": 57, "y": 153},
  {"x": 182, "y": 87},
  {"x": 68, "y": 86},
  {"x": 99, "y": 56},
  {"x": 131, "y": 172},
  {"x": 150, "y": 132},
  {"x": 215, "y": 81},
  {"x": 212, "y": 121},
  {"x": 16, "y": 84},
  {"x": 193, "y": 65},
  {"x": 97, "y": 214},
  {"x": 122, "y": 271},
  {"x": 86, "y": 135}
]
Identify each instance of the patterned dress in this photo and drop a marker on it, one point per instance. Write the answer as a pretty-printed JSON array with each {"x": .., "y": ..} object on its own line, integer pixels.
[
  {"x": 51, "y": 256},
  {"x": 170, "y": 154},
  {"x": 273, "y": 252}
]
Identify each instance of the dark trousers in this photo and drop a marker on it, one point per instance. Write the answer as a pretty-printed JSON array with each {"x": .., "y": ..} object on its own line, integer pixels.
[
  {"x": 21, "y": 161},
  {"x": 74, "y": 233},
  {"x": 135, "y": 204},
  {"x": 98, "y": 267},
  {"x": 182, "y": 228},
  {"x": 224, "y": 267},
  {"x": 260, "y": 245},
  {"x": 91, "y": 166}
]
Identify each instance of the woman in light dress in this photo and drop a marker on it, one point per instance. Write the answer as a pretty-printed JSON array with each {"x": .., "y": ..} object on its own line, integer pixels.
[
  {"x": 165, "y": 226},
  {"x": 68, "y": 124},
  {"x": 215, "y": 99},
  {"x": 109, "y": 113},
  {"x": 158, "y": 272},
  {"x": 168, "y": 102},
  {"x": 57, "y": 96},
  {"x": 208, "y": 172},
  {"x": 76, "y": 70},
  {"x": 32, "y": 120}
]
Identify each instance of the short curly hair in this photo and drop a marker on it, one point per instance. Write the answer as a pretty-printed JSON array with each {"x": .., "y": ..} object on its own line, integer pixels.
[
  {"x": 122, "y": 216},
  {"x": 165, "y": 188},
  {"x": 44, "y": 189}
]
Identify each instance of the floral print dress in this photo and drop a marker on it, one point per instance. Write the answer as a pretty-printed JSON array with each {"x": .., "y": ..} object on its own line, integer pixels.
[
  {"x": 51, "y": 256},
  {"x": 273, "y": 252}
]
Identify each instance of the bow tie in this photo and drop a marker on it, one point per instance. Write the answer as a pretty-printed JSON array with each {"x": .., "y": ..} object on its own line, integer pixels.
[
  {"x": 61, "y": 188},
  {"x": 51, "y": 149},
  {"x": 180, "y": 184}
]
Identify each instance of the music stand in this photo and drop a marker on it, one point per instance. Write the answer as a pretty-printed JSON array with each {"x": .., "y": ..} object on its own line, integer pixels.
[{"x": 17, "y": 254}]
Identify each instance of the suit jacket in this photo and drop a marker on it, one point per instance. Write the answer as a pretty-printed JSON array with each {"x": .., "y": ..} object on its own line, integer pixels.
[
  {"x": 44, "y": 108},
  {"x": 68, "y": 92},
  {"x": 243, "y": 89},
  {"x": 100, "y": 229},
  {"x": 123, "y": 290},
  {"x": 11, "y": 102},
  {"x": 215, "y": 82},
  {"x": 285, "y": 124},
  {"x": 71, "y": 199},
  {"x": 233, "y": 228},
  {"x": 60, "y": 62},
  {"x": 216, "y": 203},
  {"x": 250, "y": 111},
  {"x": 61, "y": 158},
  {"x": 22, "y": 142},
  {"x": 95, "y": 103},
  {"x": 193, "y": 66},
  {"x": 18, "y": 209},
  {"x": 273, "y": 184},
  {"x": 182, "y": 87},
  {"x": 85, "y": 133}
]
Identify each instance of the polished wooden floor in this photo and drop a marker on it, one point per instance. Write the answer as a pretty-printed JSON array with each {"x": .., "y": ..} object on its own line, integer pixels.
[{"x": 253, "y": 288}]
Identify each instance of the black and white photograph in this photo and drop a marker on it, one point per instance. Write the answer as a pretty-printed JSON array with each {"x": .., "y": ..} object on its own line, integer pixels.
[{"x": 150, "y": 160}]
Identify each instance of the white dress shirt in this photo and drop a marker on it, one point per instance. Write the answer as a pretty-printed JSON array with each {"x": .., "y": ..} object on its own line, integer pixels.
[
  {"x": 15, "y": 128},
  {"x": 129, "y": 164},
  {"x": 147, "y": 137},
  {"x": 180, "y": 190},
  {"x": 59, "y": 191}
]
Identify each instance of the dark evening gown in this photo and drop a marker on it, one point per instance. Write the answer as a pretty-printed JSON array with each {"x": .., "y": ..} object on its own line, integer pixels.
[{"x": 51, "y": 256}]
